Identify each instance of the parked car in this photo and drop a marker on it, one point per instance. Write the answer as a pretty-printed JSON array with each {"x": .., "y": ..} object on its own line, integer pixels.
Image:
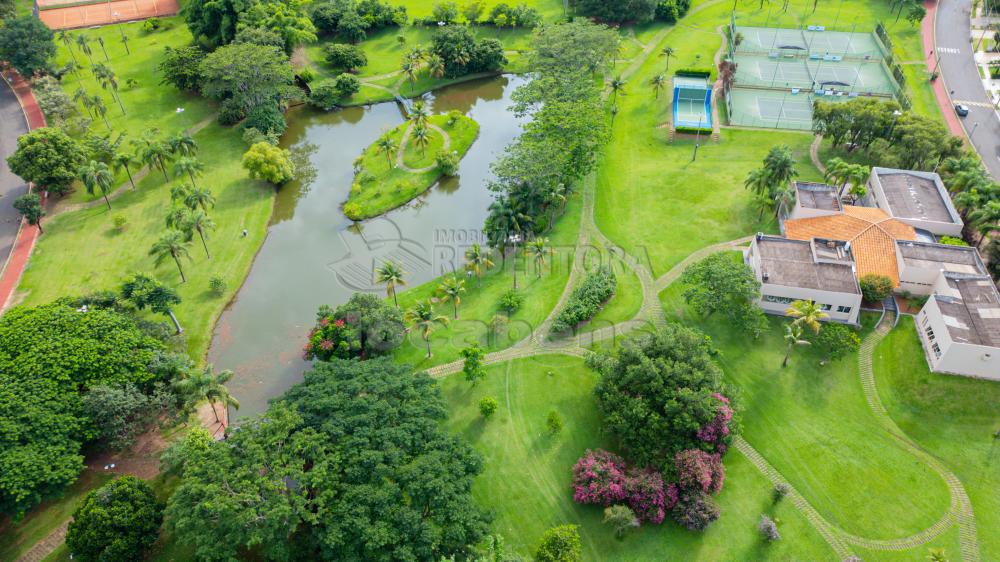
[{"x": 961, "y": 110}]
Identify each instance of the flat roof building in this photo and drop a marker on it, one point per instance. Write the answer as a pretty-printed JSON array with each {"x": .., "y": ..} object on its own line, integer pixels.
[
  {"x": 815, "y": 200},
  {"x": 959, "y": 326},
  {"x": 919, "y": 199}
]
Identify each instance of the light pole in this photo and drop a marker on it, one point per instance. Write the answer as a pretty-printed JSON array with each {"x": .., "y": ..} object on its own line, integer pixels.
[
  {"x": 974, "y": 126},
  {"x": 514, "y": 239}
]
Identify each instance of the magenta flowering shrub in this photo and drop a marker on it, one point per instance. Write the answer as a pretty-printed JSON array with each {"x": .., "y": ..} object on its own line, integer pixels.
[
  {"x": 332, "y": 339},
  {"x": 717, "y": 430},
  {"x": 698, "y": 470},
  {"x": 599, "y": 477},
  {"x": 645, "y": 495}
]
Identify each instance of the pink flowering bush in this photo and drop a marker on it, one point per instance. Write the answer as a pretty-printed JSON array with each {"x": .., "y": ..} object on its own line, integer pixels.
[
  {"x": 330, "y": 339},
  {"x": 717, "y": 430},
  {"x": 646, "y": 495},
  {"x": 599, "y": 477},
  {"x": 698, "y": 470}
]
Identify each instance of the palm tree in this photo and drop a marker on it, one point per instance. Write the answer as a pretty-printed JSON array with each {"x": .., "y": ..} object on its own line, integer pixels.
[
  {"x": 410, "y": 71},
  {"x": 392, "y": 275},
  {"x": 451, "y": 289},
  {"x": 476, "y": 260},
  {"x": 657, "y": 82},
  {"x": 205, "y": 384},
  {"x": 100, "y": 41},
  {"x": 81, "y": 96},
  {"x": 172, "y": 244},
  {"x": 196, "y": 197},
  {"x": 422, "y": 136},
  {"x": 190, "y": 166},
  {"x": 67, "y": 42},
  {"x": 176, "y": 217},
  {"x": 387, "y": 145},
  {"x": 617, "y": 86},
  {"x": 179, "y": 192},
  {"x": 435, "y": 65},
  {"x": 156, "y": 153},
  {"x": 122, "y": 161},
  {"x": 98, "y": 104},
  {"x": 807, "y": 313},
  {"x": 858, "y": 175},
  {"x": 423, "y": 317},
  {"x": 758, "y": 183},
  {"x": 780, "y": 165},
  {"x": 555, "y": 196},
  {"x": 784, "y": 198},
  {"x": 198, "y": 221},
  {"x": 125, "y": 42},
  {"x": 419, "y": 114},
  {"x": 538, "y": 249},
  {"x": 82, "y": 43},
  {"x": 667, "y": 52},
  {"x": 96, "y": 176},
  {"x": 793, "y": 337},
  {"x": 986, "y": 218},
  {"x": 182, "y": 144}
]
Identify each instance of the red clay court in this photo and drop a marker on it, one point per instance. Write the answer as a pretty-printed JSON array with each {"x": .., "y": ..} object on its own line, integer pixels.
[{"x": 89, "y": 15}]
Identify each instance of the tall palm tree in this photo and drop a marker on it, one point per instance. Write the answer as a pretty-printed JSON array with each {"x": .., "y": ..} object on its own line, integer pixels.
[
  {"x": 98, "y": 104},
  {"x": 793, "y": 337},
  {"x": 100, "y": 41},
  {"x": 82, "y": 43},
  {"x": 156, "y": 153},
  {"x": 556, "y": 196},
  {"x": 617, "y": 86},
  {"x": 83, "y": 98},
  {"x": 451, "y": 289},
  {"x": 410, "y": 71},
  {"x": 122, "y": 161},
  {"x": 667, "y": 52},
  {"x": 780, "y": 165},
  {"x": 658, "y": 82},
  {"x": 206, "y": 384},
  {"x": 182, "y": 144},
  {"x": 807, "y": 313},
  {"x": 419, "y": 114},
  {"x": 858, "y": 175},
  {"x": 759, "y": 184},
  {"x": 392, "y": 275},
  {"x": 198, "y": 221},
  {"x": 476, "y": 260},
  {"x": 784, "y": 198},
  {"x": 96, "y": 176},
  {"x": 196, "y": 197},
  {"x": 422, "y": 136},
  {"x": 387, "y": 145},
  {"x": 172, "y": 244},
  {"x": 67, "y": 42},
  {"x": 190, "y": 166},
  {"x": 435, "y": 65},
  {"x": 179, "y": 192},
  {"x": 424, "y": 318},
  {"x": 538, "y": 249},
  {"x": 986, "y": 218}
]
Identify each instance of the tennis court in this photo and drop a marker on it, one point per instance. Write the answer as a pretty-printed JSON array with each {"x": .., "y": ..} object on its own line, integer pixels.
[
  {"x": 808, "y": 42},
  {"x": 77, "y": 15},
  {"x": 770, "y": 108},
  {"x": 799, "y": 73},
  {"x": 692, "y": 102}
]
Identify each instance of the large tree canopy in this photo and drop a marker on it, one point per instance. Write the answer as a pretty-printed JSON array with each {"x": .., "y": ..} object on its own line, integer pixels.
[
  {"x": 26, "y": 43},
  {"x": 214, "y": 21},
  {"x": 247, "y": 74},
  {"x": 118, "y": 521},
  {"x": 722, "y": 283},
  {"x": 617, "y": 11},
  {"x": 364, "y": 326},
  {"x": 661, "y": 394},
  {"x": 351, "y": 464},
  {"x": 48, "y": 158}
]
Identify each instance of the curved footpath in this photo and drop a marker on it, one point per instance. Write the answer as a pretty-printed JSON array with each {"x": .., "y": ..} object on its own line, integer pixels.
[{"x": 19, "y": 113}]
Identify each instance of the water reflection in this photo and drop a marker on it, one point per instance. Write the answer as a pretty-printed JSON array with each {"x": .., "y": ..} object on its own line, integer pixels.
[{"x": 314, "y": 255}]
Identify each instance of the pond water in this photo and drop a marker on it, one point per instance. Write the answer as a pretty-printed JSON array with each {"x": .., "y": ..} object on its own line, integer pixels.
[{"x": 314, "y": 255}]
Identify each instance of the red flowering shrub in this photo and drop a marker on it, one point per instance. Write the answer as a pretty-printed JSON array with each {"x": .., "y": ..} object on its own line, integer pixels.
[
  {"x": 717, "y": 431},
  {"x": 363, "y": 327},
  {"x": 332, "y": 339},
  {"x": 599, "y": 477},
  {"x": 645, "y": 494},
  {"x": 698, "y": 470}
]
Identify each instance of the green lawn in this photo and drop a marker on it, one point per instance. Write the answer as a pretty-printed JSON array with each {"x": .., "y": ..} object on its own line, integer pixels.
[
  {"x": 80, "y": 251},
  {"x": 623, "y": 305},
  {"x": 479, "y": 304},
  {"x": 813, "y": 424},
  {"x": 548, "y": 9},
  {"x": 952, "y": 417},
  {"x": 527, "y": 475},
  {"x": 389, "y": 187}
]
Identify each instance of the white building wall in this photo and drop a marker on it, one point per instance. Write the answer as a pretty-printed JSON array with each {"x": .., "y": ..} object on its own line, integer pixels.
[
  {"x": 955, "y": 357},
  {"x": 800, "y": 212},
  {"x": 930, "y": 317},
  {"x": 832, "y": 300}
]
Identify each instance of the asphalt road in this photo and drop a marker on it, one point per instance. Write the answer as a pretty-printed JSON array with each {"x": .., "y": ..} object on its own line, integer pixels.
[
  {"x": 962, "y": 80},
  {"x": 12, "y": 125}
]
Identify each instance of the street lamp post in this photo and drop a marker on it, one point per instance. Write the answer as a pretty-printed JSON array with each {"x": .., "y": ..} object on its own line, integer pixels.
[{"x": 514, "y": 239}]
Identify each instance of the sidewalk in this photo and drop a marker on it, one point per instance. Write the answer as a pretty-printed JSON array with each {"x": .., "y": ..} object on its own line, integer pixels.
[
  {"x": 26, "y": 236},
  {"x": 940, "y": 93}
]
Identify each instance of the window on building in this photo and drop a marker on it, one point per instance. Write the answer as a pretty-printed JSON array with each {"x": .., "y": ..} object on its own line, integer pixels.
[
  {"x": 937, "y": 350},
  {"x": 930, "y": 333},
  {"x": 925, "y": 320},
  {"x": 777, "y": 300},
  {"x": 825, "y": 307},
  {"x": 844, "y": 309}
]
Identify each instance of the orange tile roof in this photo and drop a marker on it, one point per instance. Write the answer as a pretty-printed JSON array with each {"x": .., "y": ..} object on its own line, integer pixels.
[{"x": 871, "y": 232}]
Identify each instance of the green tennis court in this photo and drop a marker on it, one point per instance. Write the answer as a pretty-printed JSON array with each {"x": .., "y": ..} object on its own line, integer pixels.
[
  {"x": 808, "y": 42},
  {"x": 770, "y": 108},
  {"x": 809, "y": 74}
]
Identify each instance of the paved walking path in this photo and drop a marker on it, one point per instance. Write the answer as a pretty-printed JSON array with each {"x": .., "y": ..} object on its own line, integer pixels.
[{"x": 12, "y": 125}]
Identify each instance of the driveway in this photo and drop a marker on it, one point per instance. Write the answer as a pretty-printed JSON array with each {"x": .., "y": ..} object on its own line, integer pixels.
[
  {"x": 962, "y": 80},
  {"x": 12, "y": 126}
]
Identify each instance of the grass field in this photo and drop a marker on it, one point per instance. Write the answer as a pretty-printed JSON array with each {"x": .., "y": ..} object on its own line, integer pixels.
[
  {"x": 952, "y": 417},
  {"x": 527, "y": 476},
  {"x": 388, "y": 186},
  {"x": 623, "y": 305},
  {"x": 813, "y": 424},
  {"x": 81, "y": 252}
]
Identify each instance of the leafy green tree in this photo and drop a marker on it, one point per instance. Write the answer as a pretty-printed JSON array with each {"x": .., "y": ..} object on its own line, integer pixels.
[
  {"x": 488, "y": 406},
  {"x": 476, "y": 260},
  {"x": 206, "y": 384},
  {"x": 259, "y": 36},
  {"x": 174, "y": 245},
  {"x": 144, "y": 291},
  {"x": 269, "y": 163},
  {"x": 658, "y": 392},
  {"x": 875, "y": 288},
  {"x": 836, "y": 341},
  {"x": 792, "y": 337},
  {"x": 376, "y": 325},
  {"x": 30, "y": 207},
  {"x": 26, "y": 44},
  {"x": 97, "y": 177},
  {"x": 247, "y": 74},
  {"x": 286, "y": 18},
  {"x": 719, "y": 283},
  {"x": 510, "y": 302},
  {"x": 121, "y": 413},
  {"x": 445, "y": 11},
  {"x": 391, "y": 275},
  {"x": 621, "y": 518},
  {"x": 462, "y": 54},
  {"x": 451, "y": 289},
  {"x": 346, "y": 57},
  {"x": 472, "y": 366},
  {"x": 118, "y": 521},
  {"x": 214, "y": 22},
  {"x": 181, "y": 66},
  {"x": 48, "y": 158},
  {"x": 560, "y": 544},
  {"x": 424, "y": 319}
]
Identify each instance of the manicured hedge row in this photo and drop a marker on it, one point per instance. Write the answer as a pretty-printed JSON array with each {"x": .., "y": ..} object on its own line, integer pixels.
[
  {"x": 587, "y": 299},
  {"x": 693, "y": 130},
  {"x": 694, "y": 72}
]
